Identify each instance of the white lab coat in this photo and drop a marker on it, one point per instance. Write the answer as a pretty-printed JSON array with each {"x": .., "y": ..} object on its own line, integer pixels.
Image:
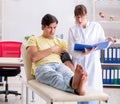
[{"x": 92, "y": 34}]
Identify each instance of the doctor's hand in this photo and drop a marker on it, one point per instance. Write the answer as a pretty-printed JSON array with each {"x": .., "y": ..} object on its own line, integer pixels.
[
  {"x": 88, "y": 51},
  {"x": 111, "y": 39}
]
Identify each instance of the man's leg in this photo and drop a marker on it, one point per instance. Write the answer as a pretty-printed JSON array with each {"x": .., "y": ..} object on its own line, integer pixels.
[
  {"x": 83, "y": 80},
  {"x": 77, "y": 76},
  {"x": 56, "y": 75},
  {"x": 79, "y": 80}
]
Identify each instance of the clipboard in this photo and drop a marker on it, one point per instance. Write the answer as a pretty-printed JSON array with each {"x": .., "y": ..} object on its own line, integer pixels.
[{"x": 100, "y": 46}]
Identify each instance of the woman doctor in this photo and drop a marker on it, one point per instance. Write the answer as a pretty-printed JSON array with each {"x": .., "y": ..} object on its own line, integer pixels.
[{"x": 86, "y": 32}]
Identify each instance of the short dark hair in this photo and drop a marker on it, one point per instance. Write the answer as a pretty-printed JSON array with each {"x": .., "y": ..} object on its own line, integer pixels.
[
  {"x": 80, "y": 10},
  {"x": 48, "y": 19}
]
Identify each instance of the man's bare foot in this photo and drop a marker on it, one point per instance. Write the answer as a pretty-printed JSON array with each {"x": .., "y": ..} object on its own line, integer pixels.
[
  {"x": 77, "y": 76},
  {"x": 81, "y": 89}
]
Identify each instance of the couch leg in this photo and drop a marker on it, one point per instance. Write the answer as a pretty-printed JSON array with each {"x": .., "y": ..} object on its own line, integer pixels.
[
  {"x": 33, "y": 97},
  {"x": 27, "y": 95}
]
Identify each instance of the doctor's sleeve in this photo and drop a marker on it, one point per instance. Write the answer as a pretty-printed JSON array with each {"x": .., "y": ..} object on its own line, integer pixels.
[
  {"x": 71, "y": 42},
  {"x": 101, "y": 33}
]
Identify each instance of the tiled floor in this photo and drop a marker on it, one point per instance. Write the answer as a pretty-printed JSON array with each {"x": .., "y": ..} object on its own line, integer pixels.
[
  {"x": 11, "y": 98},
  {"x": 15, "y": 83}
]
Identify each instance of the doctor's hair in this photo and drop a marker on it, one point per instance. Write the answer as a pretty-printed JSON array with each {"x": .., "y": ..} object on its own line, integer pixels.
[
  {"x": 48, "y": 19},
  {"x": 80, "y": 10}
]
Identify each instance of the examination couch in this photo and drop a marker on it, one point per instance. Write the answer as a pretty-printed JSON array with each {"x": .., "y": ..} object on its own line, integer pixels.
[{"x": 52, "y": 95}]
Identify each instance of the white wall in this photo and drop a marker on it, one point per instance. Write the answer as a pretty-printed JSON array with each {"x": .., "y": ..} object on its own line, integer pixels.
[{"x": 23, "y": 17}]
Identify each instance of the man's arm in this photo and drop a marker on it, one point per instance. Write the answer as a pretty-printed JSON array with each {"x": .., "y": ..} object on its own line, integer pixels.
[{"x": 36, "y": 54}]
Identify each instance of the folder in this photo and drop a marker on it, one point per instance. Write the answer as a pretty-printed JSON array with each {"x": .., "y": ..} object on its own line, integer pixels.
[
  {"x": 115, "y": 76},
  {"x": 107, "y": 75},
  {"x": 106, "y": 55},
  {"x": 100, "y": 46},
  {"x": 118, "y": 76},
  {"x": 0, "y": 79},
  {"x": 118, "y": 54},
  {"x": 114, "y": 58},
  {"x": 110, "y": 51},
  {"x": 104, "y": 75},
  {"x": 101, "y": 56},
  {"x": 111, "y": 76}
]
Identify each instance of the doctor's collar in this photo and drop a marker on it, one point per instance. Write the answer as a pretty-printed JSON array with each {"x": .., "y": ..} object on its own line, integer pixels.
[{"x": 87, "y": 24}]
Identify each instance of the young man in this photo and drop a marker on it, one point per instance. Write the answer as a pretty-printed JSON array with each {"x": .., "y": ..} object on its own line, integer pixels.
[{"x": 45, "y": 52}]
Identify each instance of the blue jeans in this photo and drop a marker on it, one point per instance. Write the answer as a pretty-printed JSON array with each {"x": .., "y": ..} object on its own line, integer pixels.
[
  {"x": 56, "y": 75},
  {"x": 90, "y": 102}
]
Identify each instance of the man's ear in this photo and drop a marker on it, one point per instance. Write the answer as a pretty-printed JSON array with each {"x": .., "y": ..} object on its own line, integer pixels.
[{"x": 43, "y": 27}]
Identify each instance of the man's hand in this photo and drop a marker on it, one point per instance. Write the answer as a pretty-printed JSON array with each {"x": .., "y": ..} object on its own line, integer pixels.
[{"x": 56, "y": 49}]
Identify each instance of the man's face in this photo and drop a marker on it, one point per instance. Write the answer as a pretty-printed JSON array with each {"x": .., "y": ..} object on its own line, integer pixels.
[{"x": 49, "y": 31}]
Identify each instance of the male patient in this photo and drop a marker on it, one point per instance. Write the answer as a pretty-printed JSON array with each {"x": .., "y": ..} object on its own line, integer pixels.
[{"x": 45, "y": 52}]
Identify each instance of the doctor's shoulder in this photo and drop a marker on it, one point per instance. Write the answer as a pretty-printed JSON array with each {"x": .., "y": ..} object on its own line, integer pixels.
[
  {"x": 73, "y": 28},
  {"x": 96, "y": 24}
]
